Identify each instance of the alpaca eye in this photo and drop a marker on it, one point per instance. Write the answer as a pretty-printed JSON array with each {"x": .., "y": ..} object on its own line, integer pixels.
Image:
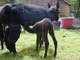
[{"x": 4, "y": 15}]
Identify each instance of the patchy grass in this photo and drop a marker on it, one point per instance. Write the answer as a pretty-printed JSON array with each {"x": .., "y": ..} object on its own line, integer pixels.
[{"x": 68, "y": 47}]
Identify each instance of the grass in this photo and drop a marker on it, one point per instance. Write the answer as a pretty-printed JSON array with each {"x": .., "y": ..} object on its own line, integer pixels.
[{"x": 68, "y": 47}]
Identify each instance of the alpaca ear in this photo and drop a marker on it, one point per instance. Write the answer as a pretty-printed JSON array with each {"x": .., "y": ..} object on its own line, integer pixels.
[
  {"x": 57, "y": 5},
  {"x": 7, "y": 8},
  {"x": 49, "y": 3}
]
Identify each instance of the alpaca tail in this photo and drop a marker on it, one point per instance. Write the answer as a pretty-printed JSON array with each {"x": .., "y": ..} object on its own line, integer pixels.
[
  {"x": 29, "y": 29},
  {"x": 51, "y": 32}
]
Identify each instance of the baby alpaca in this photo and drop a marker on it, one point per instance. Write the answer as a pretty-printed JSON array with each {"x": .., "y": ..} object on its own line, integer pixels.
[{"x": 42, "y": 28}]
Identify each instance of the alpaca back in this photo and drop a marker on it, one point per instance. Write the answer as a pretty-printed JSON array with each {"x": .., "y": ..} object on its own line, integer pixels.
[{"x": 42, "y": 26}]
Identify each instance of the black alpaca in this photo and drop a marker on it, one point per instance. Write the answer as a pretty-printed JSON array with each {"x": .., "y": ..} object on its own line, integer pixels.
[
  {"x": 25, "y": 15},
  {"x": 42, "y": 28}
]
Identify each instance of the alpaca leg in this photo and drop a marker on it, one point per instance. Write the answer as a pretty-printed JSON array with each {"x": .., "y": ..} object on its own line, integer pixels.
[
  {"x": 46, "y": 47},
  {"x": 2, "y": 42},
  {"x": 41, "y": 43},
  {"x": 55, "y": 44},
  {"x": 8, "y": 46},
  {"x": 38, "y": 41},
  {"x": 13, "y": 47},
  {"x": 51, "y": 32}
]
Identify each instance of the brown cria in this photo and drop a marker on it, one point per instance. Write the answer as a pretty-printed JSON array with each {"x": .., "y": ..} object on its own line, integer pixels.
[{"x": 42, "y": 28}]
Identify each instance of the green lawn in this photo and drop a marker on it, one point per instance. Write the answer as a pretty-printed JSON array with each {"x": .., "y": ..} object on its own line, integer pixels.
[{"x": 68, "y": 47}]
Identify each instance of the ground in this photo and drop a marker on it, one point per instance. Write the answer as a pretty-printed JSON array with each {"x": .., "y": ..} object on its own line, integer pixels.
[{"x": 68, "y": 47}]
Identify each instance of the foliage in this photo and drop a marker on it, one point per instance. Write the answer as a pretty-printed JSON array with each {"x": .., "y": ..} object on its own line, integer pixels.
[
  {"x": 68, "y": 47},
  {"x": 75, "y": 7},
  {"x": 10, "y": 1},
  {"x": 19, "y": 0}
]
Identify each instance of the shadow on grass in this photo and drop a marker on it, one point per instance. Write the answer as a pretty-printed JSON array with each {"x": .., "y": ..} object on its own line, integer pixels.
[{"x": 27, "y": 53}]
